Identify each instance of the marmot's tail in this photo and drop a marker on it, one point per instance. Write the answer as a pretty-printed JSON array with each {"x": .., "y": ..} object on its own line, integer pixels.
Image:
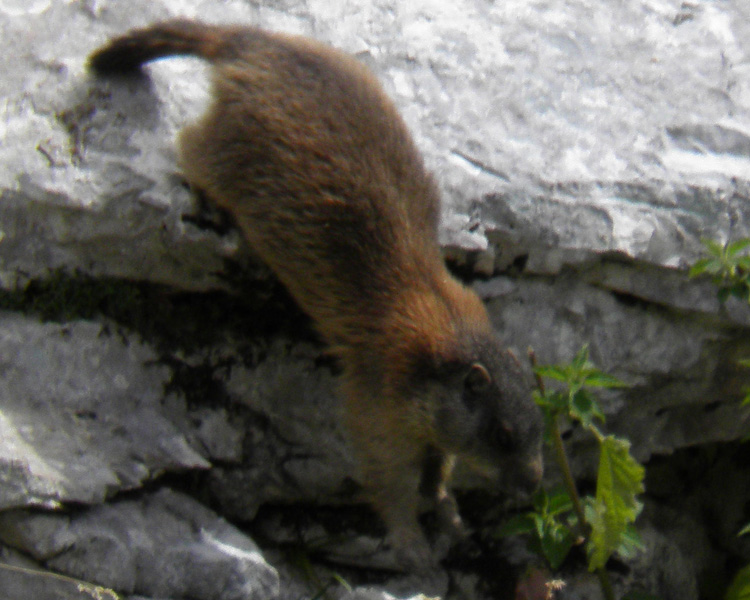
[{"x": 128, "y": 52}]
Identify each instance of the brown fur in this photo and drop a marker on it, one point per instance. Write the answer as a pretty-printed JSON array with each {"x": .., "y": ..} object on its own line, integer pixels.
[{"x": 316, "y": 166}]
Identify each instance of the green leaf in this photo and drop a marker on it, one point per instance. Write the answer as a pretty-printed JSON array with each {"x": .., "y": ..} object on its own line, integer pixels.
[
  {"x": 559, "y": 502},
  {"x": 740, "y": 586},
  {"x": 517, "y": 525},
  {"x": 581, "y": 359},
  {"x": 619, "y": 481},
  {"x": 550, "y": 537},
  {"x": 553, "y": 372},
  {"x": 552, "y": 401},
  {"x": 540, "y": 501},
  {"x": 736, "y": 247},
  {"x": 704, "y": 265},
  {"x": 602, "y": 380},
  {"x": 556, "y": 543},
  {"x": 714, "y": 248},
  {"x": 598, "y": 550},
  {"x": 745, "y": 530},
  {"x": 631, "y": 543},
  {"x": 585, "y": 408}
]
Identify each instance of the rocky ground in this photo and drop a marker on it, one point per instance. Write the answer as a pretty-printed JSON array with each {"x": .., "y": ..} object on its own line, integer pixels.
[{"x": 168, "y": 425}]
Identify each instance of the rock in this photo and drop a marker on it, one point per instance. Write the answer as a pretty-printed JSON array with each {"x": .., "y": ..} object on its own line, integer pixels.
[
  {"x": 23, "y": 579},
  {"x": 375, "y": 594},
  {"x": 62, "y": 204},
  {"x": 683, "y": 371},
  {"x": 164, "y": 545},
  {"x": 83, "y": 414},
  {"x": 297, "y": 449}
]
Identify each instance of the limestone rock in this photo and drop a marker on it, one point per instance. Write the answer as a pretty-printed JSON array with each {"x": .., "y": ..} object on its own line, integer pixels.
[
  {"x": 163, "y": 545},
  {"x": 23, "y": 578},
  {"x": 297, "y": 449},
  {"x": 82, "y": 415}
]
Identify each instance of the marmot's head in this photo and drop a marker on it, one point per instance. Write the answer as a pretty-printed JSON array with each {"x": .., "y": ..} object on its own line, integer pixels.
[{"x": 478, "y": 400}]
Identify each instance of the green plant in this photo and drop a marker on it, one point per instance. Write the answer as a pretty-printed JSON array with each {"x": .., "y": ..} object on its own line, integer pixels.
[
  {"x": 562, "y": 519},
  {"x": 739, "y": 589},
  {"x": 728, "y": 267},
  {"x": 730, "y": 272}
]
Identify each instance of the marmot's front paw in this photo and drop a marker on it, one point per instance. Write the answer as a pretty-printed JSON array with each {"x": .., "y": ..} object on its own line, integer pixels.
[{"x": 449, "y": 519}]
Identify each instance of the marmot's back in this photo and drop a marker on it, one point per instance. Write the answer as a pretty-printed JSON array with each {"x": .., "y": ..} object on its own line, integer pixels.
[{"x": 303, "y": 147}]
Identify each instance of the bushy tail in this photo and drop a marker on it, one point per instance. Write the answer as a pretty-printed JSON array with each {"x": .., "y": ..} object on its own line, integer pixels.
[{"x": 126, "y": 54}]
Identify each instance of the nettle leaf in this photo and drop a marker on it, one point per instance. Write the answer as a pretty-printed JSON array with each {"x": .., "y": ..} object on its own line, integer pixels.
[
  {"x": 517, "y": 525},
  {"x": 740, "y": 587},
  {"x": 559, "y": 502},
  {"x": 705, "y": 265},
  {"x": 619, "y": 481},
  {"x": 585, "y": 408},
  {"x": 581, "y": 360},
  {"x": 559, "y": 373},
  {"x": 631, "y": 543},
  {"x": 556, "y": 543},
  {"x": 555, "y": 402},
  {"x": 540, "y": 501},
  {"x": 714, "y": 248},
  {"x": 597, "y": 544},
  {"x": 550, "y": 534},
  {"x": 736, "y": 247},
  {"x": 601, "y": 380}
]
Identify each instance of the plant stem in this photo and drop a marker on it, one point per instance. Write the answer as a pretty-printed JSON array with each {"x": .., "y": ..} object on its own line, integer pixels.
[
  {"x": 561, "y": 458},
  {"x": 570, "y": 485},
  {"x": 605, "y": 583}
]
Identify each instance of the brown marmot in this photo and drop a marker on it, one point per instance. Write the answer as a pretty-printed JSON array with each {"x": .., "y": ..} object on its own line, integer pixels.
[{"x": 303, "y": 148}]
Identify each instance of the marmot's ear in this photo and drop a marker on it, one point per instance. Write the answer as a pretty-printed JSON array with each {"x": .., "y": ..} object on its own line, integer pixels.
[{"x": 478, "y": 379}]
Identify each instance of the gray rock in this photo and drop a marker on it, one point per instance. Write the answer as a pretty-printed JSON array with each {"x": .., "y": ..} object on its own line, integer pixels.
[
  {"x": 163, "y": 545},
  {"x": 22, "y": 579},
  {"x": 375, "y": 594},
  {"x": 64, "y": 204},
  {"x": 298, "y": 450},
  {"x": 82, "y": 414},
  {"x": 682, "y": 367}
]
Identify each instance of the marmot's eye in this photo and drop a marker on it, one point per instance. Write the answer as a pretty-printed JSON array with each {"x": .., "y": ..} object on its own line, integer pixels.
[{"x": 478, "y": 379}]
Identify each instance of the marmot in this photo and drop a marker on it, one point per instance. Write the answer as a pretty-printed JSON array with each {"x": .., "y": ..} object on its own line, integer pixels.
[{"x": 303, "y": 148}]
